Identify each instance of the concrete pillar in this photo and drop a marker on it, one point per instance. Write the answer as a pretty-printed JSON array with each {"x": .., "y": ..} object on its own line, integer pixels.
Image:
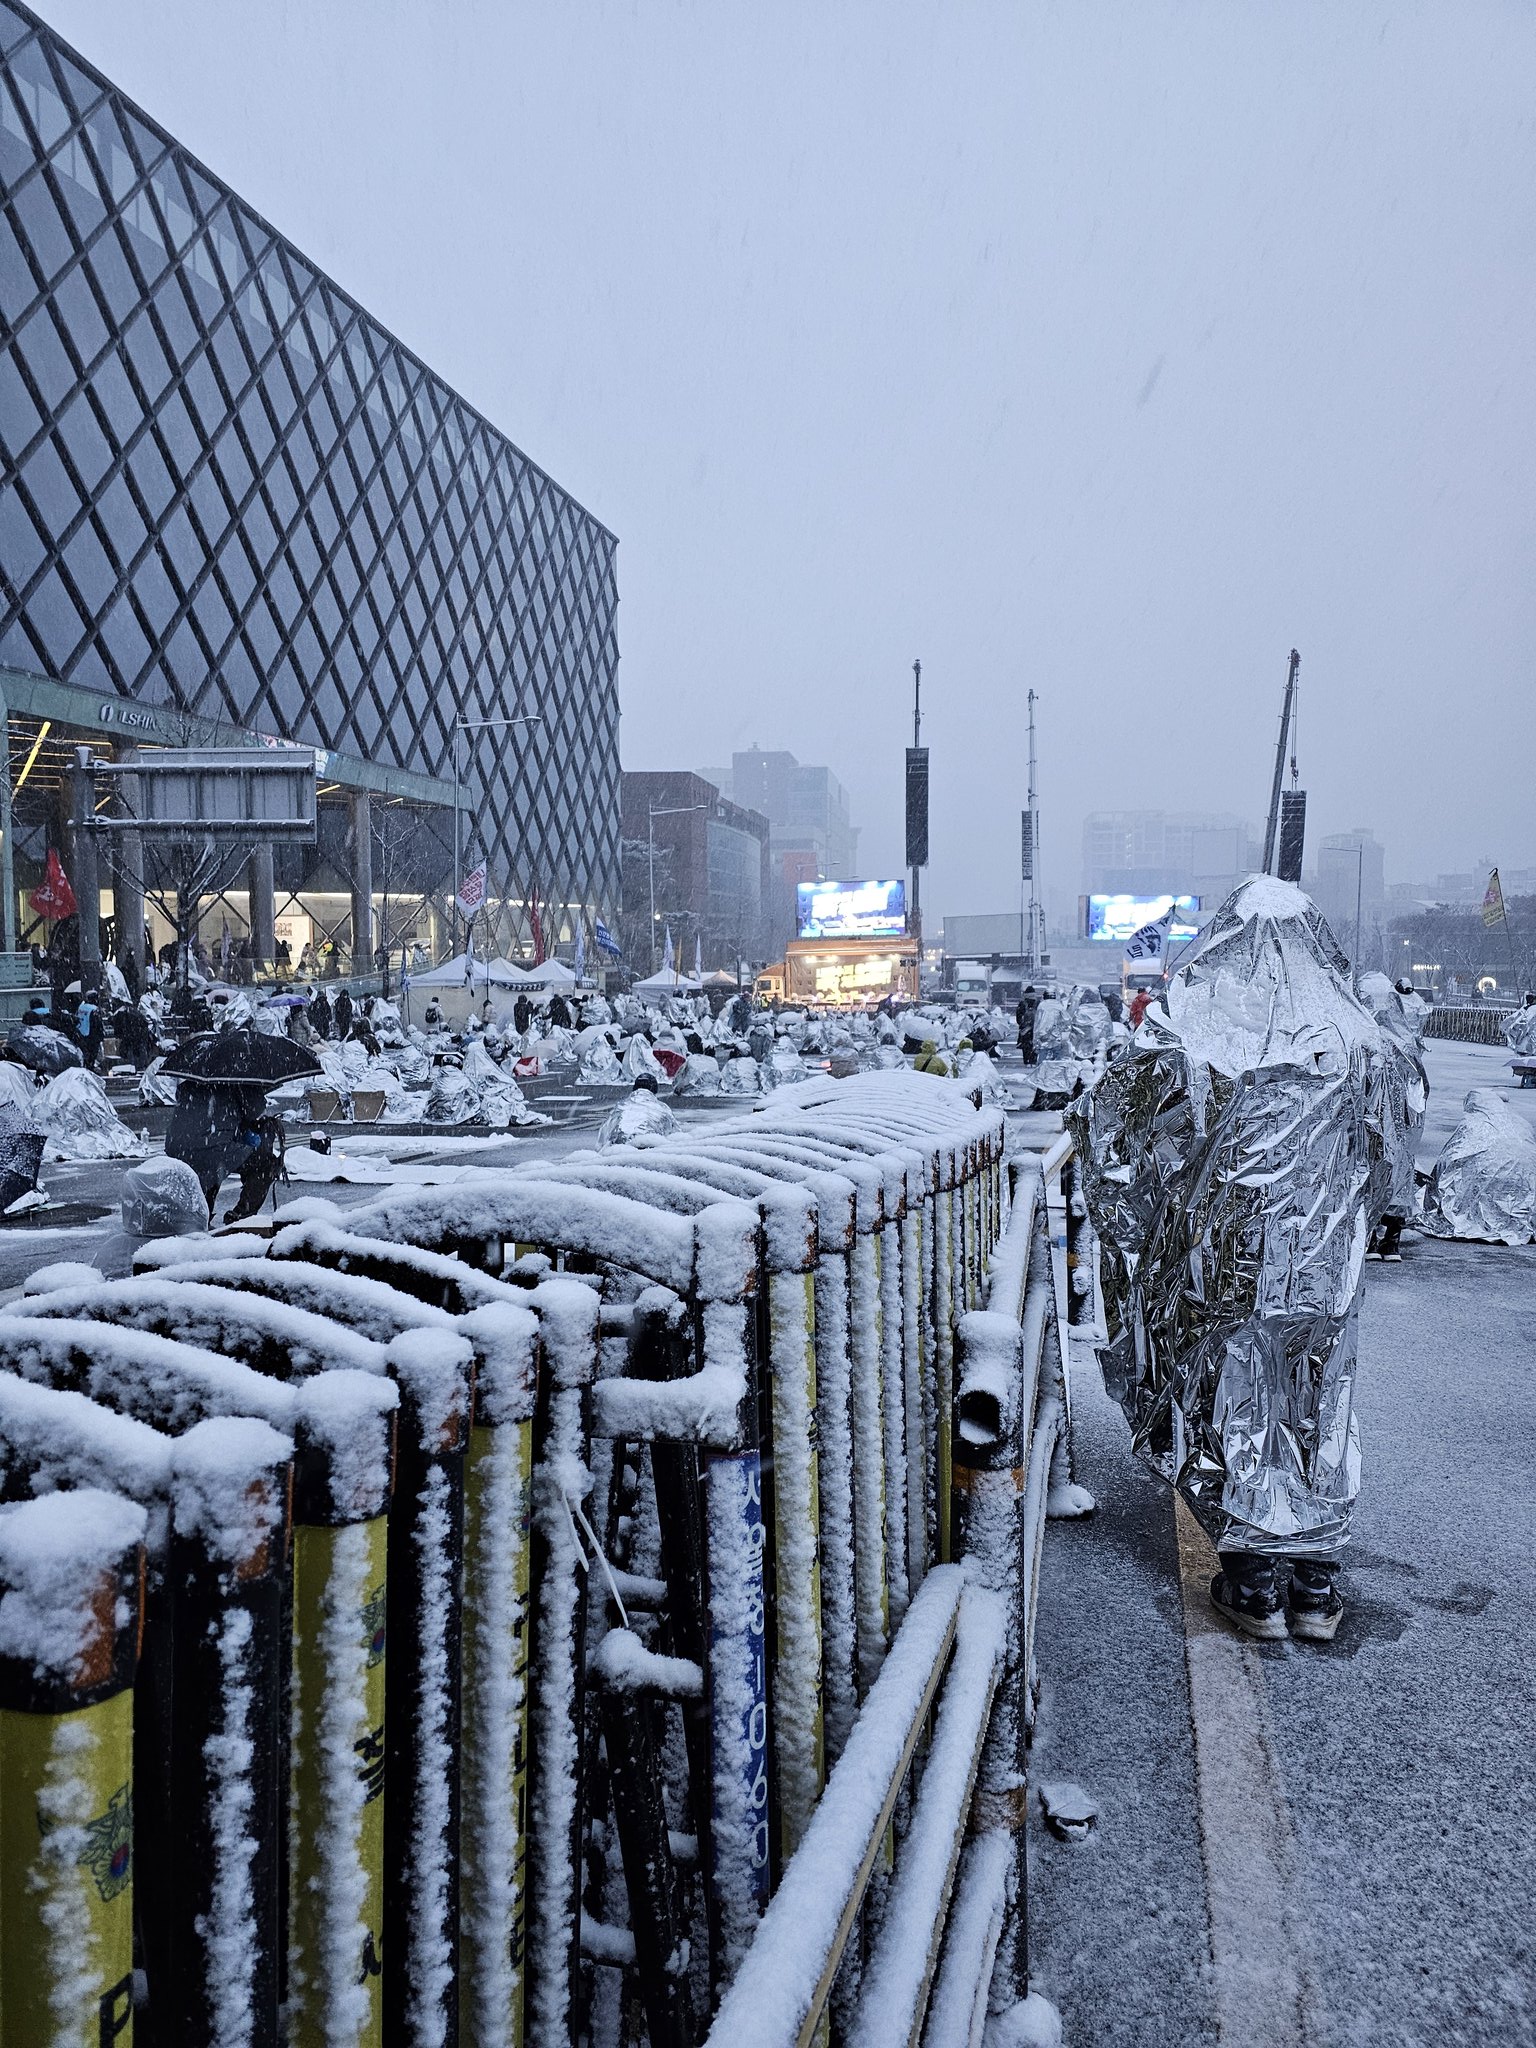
[
  {"x": 361, "y": 805},
  {"x": 82, "y": 789},
  {"x": 261, "y": 892},
  {"x": 128, "y": 882}
]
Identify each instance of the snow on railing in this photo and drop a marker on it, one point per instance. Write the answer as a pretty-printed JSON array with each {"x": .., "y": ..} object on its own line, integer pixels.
[{"x": 642, "y": 1506}]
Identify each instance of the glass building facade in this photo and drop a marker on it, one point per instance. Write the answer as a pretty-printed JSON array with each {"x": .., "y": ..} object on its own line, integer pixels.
[{"x": 225, "y": 491}]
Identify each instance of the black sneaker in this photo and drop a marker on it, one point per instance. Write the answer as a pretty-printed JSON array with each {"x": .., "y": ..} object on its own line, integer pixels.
[
  {"x": 1245, "y": 1591},
  {"x": 1313, "y": 1603}
]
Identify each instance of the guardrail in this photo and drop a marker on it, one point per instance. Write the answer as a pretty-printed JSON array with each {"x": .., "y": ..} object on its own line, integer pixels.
[
  {"x": 1473, "y": 1026},
  {"x": 582, "y": 1602}
]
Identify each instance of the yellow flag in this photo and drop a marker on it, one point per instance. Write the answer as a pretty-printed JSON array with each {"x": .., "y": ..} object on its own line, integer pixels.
[{"x": 1493, "y": 899}]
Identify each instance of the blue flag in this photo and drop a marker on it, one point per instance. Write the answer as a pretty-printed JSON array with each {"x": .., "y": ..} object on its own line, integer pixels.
[{"x": 606, "y": 942}]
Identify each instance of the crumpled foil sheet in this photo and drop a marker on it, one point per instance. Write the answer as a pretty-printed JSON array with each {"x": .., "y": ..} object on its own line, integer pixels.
[
  {"x": 1234, "y": 1160},
  {"x": 1484, "y": 1183}
]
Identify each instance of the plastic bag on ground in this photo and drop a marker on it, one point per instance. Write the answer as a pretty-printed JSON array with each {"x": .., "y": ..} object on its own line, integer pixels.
[
  {"x": 162, "y": 1198},
  {"x": 79, "y": 1122},
  {"x": 1483, "y": 1185}
]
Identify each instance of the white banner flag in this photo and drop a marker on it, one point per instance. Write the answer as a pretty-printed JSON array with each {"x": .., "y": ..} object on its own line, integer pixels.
[
  {"x": 472, "y": 891},
  {"x": 1148, "y": 943}
]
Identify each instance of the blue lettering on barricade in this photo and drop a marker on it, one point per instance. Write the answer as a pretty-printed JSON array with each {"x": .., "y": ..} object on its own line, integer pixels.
[{"x": 743, "y": 1473}]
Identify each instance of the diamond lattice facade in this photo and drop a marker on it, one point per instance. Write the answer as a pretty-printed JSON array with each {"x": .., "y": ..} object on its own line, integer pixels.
[{"x": 225, "y": 490}]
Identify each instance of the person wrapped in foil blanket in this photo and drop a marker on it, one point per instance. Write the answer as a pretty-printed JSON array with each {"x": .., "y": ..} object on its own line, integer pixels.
[{"x": 1235, "y": 1161}]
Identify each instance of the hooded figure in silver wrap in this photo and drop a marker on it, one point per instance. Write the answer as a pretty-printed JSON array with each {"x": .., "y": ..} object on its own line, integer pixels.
[
  {"x": 1235, "y": 1161},
  {"x": 1405, "y": 1089}
]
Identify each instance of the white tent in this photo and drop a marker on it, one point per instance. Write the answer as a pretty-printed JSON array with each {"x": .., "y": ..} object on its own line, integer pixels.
[
  {"x": 499, "y": 973},
  {"x": 667, "y": 983},
  {"x": 548, "y": 974}
]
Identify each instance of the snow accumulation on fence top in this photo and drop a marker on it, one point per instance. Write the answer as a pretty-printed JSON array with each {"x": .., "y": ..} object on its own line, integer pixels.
[
  {"x": 246, "y": 1327},
  {"x": 505, "y": 1339},
  {"x": 531, "y": 1211},
  {"x": 704, "y": 1407},
  {"x": 54, "y": 1553},
  {"x": 358, "y": 1245},
  {"x": 567, "y": 1312},
  {"x": 433, "y": 1368},
  {"x": 808, "y": 1156},
  {"x": 172, "y": 1386},
  {"x": 50, "y": 1438},
  {"x": 226, "y": 1490},
  {"x": 63, "y": 1273},
  {"x": 749, "y": 1172},
  {"x": 777, "y": 1985},
  {"x": 156, "y": 1379},
  {"x": 788, "y": 1212},
  {"x": 609, "y": 1226},
  {"x": 160, "y": 1252},
  {"x": 372, "y": 1308}
]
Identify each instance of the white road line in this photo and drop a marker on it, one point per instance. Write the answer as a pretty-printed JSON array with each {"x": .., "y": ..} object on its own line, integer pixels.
[{"x": 1258, "y": 1931}]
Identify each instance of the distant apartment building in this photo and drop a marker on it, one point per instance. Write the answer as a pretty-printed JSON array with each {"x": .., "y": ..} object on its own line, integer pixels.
[
  {"x": 696, "y": 865},
  {"x": 1348, "y": 882},
  {"x": 811, "y": 832},
  {"x": 1179, "y": 853}
]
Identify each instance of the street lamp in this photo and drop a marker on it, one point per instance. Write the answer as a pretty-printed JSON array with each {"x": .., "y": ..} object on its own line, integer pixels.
[
  {"x": 1359, "y": 879},
  {"x": 462, "y": 725},
  {"x": 652, "y": 813}
]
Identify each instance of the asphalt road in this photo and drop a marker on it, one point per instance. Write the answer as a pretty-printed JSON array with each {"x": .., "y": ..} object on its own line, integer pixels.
[{"x": 1400, "y": 1753}]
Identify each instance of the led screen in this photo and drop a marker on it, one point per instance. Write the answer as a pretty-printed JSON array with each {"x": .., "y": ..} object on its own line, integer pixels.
[
  {"x": 1114, "y": 919},
  {"x": 851, "y": 910}
]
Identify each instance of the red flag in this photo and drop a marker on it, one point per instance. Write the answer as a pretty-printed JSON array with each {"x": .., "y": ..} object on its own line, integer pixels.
[
  {"x": 53, "y": 897},
  {"x": 537, "y": 924}
]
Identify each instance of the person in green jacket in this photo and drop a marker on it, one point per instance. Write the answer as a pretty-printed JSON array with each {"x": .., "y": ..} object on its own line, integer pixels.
[{"x": 929, "y": 1061}]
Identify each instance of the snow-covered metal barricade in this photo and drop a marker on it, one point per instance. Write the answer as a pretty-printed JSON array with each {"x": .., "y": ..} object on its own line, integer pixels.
[{"x": 678, "y": 1508}]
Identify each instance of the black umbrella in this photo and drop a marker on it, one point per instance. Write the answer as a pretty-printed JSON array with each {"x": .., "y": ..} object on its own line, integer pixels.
[
  {"x": 43, "y": 1049},
  {"x": 241, "y": 1057}
]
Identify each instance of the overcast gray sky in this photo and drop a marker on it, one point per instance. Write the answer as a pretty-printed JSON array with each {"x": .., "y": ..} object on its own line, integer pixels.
[{"x": 1109, "y": 346}]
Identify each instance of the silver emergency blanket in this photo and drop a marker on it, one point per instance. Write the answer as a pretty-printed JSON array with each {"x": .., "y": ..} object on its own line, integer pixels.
[
  {"x": 1404, "y": 1085},
  {"x": 1484, "y": 1183},
  {"x": 452, "y": 1098},
  {"x": 1520, "y": 1031},
  {"x": 1088, "y": 1022},
  {"x": 163, "y": 1198},
  {"x": 1231, "y": 1160},
  {"x": 80, "y": 1123},
  {"x": 641, "y": 1113},
  {"x": 698, "y": 1075}
]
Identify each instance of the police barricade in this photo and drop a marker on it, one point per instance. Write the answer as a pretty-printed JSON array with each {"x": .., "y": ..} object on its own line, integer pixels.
[{"x": 687, "y": 1447}]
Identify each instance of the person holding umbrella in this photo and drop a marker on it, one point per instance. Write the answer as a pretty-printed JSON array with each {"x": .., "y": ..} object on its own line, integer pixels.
[{"x": 220, "y": 1124}]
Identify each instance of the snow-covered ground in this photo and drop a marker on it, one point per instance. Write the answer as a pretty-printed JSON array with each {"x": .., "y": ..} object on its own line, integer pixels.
[{"x": 1453, "y": 1069}]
